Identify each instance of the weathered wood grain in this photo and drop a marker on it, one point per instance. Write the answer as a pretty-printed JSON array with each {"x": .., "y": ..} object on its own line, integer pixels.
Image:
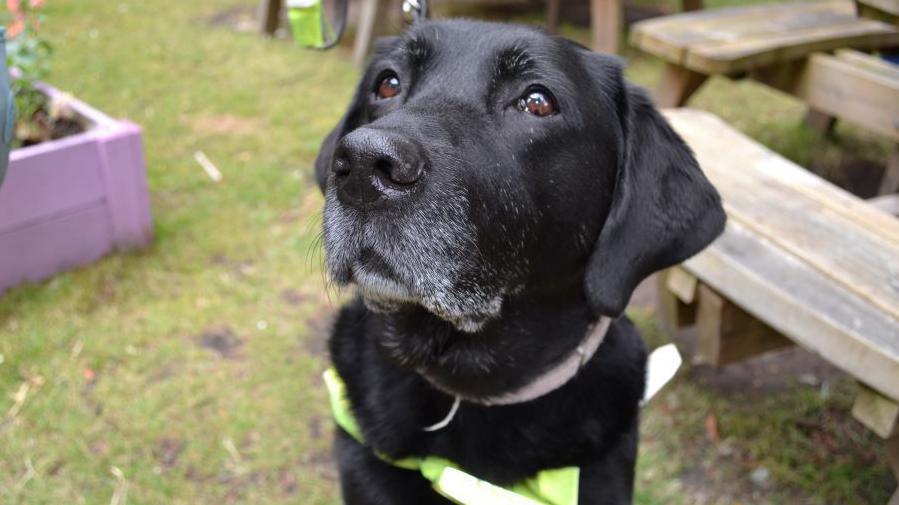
[
  {"x": 879, "y": 413},
  {"x": 674, "y": 312},
  {"x": 886, "y": 203},
  {"x": 725, "y": 41},
  {"x": 851, "y": 242},
  {"x": 853, "y": 87},
  {"x": 728, "y": 334},
  {"x": 683, "y": 284},
  {"x": 605, "y": 22},
  {"x": 809, "y": 260}
]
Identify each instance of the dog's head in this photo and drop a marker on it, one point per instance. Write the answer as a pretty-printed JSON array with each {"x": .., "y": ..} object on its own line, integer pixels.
[{"x": 481, "y": 161}]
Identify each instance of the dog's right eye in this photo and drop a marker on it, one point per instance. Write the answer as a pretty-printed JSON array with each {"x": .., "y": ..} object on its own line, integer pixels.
[
  {"x": 537, "y": 102},
  {"x": 389, "y": 87}
]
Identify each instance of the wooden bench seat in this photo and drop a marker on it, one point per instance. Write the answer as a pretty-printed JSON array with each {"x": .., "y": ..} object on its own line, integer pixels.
[
  {"x": 847, "y": 85},
  {"x": 734, "y": 41},
  {"x": 800, "y": 261}
]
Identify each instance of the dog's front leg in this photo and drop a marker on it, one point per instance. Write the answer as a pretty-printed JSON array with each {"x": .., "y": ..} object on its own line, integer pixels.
[
  {"x": 610, "y": 480},
  {"x": 367, "y": 480}
]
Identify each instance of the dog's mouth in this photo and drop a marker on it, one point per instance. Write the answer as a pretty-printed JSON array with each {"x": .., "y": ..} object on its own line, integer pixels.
[
  {"x": 426, "y": 256},
  {"x": 384, "y": 291},
  {"x": 378, "y": 283}
]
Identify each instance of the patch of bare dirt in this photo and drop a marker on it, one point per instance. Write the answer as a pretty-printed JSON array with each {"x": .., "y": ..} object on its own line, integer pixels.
[
  {"x": 167, "y": 451},
  {"x": 321, "y": 463},
  {"x": 222, "y": 340},
  {"x": 316, "y": 340},
  {"x": 293, "y": 297},
  {"x": 240, "y": 18}
]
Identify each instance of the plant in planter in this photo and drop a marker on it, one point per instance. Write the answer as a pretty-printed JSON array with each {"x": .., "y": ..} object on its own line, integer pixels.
[
  {"x": 39, "y": 119},
  {"x": 76, "y": 186}
]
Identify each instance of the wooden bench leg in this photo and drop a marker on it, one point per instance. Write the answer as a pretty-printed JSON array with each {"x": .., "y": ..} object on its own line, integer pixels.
[
  {"x": 880, "y": 414},
  {"x": 892, "y": 447},
  {"x": 820, "y": 121},
  {"x": 365, "y": 31},
  {"x": 605, "y": 22},
  {"x": 677, "y": 85},
  {"x": 552, "y": 15},
  {"x": 890, "y": 181},
  {"x": 676, "y": 289},
  {"x": 692, "y": 5},
  {"x": 727, "y": 333},
  {"x": 269, "y": 16}
]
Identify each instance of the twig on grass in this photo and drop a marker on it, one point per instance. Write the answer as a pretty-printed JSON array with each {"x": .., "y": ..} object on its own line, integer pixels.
[
  {"x": 120, "y": 494},
  {"x": 229, "y": 446},
  {"x": 30, "y": 473},
  {"x": 211, "y": 170}
]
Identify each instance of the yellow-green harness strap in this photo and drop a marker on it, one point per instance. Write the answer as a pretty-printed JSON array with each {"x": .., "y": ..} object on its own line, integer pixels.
[{"x": 549, "y": 487}]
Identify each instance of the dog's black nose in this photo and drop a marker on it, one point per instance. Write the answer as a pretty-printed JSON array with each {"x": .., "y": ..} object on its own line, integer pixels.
[{"x": 369, "y": 164}]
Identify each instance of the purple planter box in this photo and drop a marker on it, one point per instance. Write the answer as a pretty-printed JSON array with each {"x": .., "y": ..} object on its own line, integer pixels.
[{"x": 70, "y": 201}]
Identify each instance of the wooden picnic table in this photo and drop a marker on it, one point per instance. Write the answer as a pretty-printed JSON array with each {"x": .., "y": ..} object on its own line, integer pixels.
[{"x": 800, "y": 262}]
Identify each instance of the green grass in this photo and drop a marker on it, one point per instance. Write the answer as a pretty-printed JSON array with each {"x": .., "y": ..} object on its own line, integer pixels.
[{"x": 189, "y": 372}]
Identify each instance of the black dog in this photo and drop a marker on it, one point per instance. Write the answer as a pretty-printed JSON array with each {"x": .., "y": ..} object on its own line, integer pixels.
[{"x": 492, "y": 191}]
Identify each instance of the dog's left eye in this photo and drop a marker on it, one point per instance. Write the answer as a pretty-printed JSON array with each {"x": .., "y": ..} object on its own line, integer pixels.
[
  {"x": 389, "y": 86},
  {"x": 538, "y": 103}
]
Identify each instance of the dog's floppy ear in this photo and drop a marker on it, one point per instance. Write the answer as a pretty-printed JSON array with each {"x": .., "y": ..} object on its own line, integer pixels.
[{"x": 663, "y": 209}]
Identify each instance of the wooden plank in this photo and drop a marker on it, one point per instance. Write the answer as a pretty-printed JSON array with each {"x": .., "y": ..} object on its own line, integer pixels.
[
  {"x": 59, "y": 243},
  {"x": 728, "y": 334},
  {"x": 50, "y": 179},
  {"x": 852, "y": 243},
  {"x": 125, "y": 178},
  {"x": 670, "y": 36},
  {"x": 803, "y": 304},
  {"x": 605, "y": 22},
  {"x": 768, "y": 48},
  {"x": 827, "y": 240},
  {"x": 732, "y": 40},
  {"x": 682, "y": 284},
  {"x": 886, "y": 203},
  {"x": 850, "y": 91},
  {"x": 877, "y": 412},
  {"x": 869, "y": 62}
]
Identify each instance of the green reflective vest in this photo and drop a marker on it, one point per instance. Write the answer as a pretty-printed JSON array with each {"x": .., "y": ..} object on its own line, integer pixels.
[{"x": 549, "y": 487}]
